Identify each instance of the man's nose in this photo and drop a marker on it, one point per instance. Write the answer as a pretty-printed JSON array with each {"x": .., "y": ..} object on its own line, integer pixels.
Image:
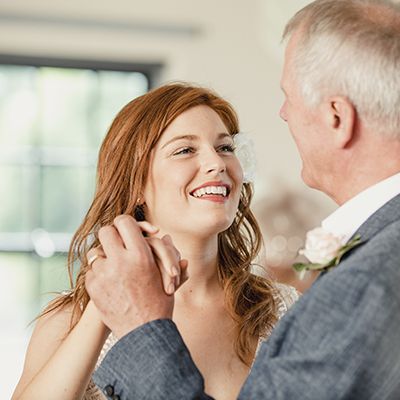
[{"x": 282, "y": 112}]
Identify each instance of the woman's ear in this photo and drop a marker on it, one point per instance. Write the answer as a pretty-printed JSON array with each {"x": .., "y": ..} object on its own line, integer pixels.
[{"x": 340, "y": 119}]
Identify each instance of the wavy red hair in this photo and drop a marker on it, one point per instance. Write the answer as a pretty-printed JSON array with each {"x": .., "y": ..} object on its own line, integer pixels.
[{"x": 122, "y": 171}]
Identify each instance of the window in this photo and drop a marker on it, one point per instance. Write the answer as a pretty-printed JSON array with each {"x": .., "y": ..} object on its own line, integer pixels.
[{"x": 52, "y": 121}]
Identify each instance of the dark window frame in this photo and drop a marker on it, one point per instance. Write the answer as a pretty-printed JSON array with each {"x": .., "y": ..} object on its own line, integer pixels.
[{"x": 150, "y": 70}]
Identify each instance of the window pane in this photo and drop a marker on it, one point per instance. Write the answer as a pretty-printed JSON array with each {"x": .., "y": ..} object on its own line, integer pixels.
[
  {"x": 19, "y": 285},
  {"x": 16, "y": 199},
  {"x": 18, "y": 104},
  {"x": 28, "y": 283},
  {"x": 65, "y": 98},
  {"x": 52, "y": 121},
  {"x": 53, "y": 277},
  {"x": 115, "y": 89},
  {"x": 67, "y": 193}
]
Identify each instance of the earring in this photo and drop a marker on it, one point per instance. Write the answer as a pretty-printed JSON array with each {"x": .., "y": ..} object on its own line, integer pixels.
[{"x": 139, "y": 210}]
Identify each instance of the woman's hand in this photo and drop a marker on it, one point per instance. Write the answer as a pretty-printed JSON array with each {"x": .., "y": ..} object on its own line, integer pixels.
[{"x": 173, "y": 270}]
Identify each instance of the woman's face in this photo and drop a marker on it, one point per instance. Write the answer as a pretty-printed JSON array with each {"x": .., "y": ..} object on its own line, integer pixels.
[{"x": 195, "y": 179}]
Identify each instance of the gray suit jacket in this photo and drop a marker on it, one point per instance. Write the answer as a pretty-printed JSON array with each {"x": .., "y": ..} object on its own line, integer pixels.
[{"x": 341, "y": 340}]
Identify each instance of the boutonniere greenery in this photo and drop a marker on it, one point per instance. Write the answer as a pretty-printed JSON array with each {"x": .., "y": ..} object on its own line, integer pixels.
[{"x": 324, "y": 251}]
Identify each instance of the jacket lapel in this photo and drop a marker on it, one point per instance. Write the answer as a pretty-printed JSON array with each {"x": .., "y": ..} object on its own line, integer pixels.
[
  {"x": 384, "y": 216},
  {"x": 387, "y": 214}
]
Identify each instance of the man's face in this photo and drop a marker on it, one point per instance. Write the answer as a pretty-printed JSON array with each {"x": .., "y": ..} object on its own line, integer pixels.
[{"x": 305, "y": 124}]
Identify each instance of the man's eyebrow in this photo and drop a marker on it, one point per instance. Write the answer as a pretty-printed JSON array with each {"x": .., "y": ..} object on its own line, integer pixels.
[{"x": 192, "y": 138}]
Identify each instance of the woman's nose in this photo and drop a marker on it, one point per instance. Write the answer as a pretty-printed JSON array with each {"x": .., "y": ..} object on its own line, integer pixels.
[{"x": 213, "y": 162}]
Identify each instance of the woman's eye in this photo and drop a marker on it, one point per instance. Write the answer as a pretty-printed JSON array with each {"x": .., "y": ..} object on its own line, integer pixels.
[
  {"x": 185, "y": 150},
  {"x": 227, "y": 148}
]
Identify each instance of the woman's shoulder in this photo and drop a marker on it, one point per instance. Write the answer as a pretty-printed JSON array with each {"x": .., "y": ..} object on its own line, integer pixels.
[
  {"x": 51, "y": 326},
  {"x": 286, "y": 295},
  {"x": 55, "y": 318}
]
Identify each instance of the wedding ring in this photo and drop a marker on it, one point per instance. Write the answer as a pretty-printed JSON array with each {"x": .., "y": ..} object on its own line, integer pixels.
[{"x": 92, "y": 259}]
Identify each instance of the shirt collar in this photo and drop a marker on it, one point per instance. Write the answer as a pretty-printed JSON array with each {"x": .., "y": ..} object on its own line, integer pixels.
[{"x": 351, "y": 215}]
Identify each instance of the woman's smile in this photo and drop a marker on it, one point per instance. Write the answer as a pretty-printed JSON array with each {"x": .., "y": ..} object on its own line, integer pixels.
[{"x": 217, "y": 192}]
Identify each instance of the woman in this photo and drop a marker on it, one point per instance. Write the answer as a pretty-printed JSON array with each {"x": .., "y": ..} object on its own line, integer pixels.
[{"x": 169, "y": 159}]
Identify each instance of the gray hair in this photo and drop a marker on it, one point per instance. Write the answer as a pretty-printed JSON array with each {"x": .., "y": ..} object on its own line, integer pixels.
[{"x": 351, "y": 48}]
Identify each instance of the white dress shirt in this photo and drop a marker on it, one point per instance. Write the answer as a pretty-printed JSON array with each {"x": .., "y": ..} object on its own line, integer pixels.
[{"x": 351, "y": 215}]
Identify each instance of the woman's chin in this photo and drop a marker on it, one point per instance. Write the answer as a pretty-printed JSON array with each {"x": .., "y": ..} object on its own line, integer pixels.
[
  {"x": 202, "y": 228},
  {"x": 213, "y": 228}
]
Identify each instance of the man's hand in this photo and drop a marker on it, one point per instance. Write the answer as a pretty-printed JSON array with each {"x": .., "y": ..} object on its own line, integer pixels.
[{"x": 127, "y": 280}]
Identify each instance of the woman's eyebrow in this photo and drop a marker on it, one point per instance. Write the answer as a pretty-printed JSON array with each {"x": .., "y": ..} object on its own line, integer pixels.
[
  {"x": 192, "y": 138},
  {"x": 187, "y": 137}
]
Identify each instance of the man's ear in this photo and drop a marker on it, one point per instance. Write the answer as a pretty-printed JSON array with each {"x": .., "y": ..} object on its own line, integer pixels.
[{"x": 341, "y": 119}]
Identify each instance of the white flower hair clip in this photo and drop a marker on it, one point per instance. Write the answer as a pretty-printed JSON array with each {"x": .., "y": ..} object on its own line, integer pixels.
[{"x": 245, "y": 152}]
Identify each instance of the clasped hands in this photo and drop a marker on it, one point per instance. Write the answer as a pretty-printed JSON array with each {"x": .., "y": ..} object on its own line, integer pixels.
[{"x": 132, "y": 278}]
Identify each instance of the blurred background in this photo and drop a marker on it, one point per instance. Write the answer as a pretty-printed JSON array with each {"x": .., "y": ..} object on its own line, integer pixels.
[{"x": 66, "y": 68}]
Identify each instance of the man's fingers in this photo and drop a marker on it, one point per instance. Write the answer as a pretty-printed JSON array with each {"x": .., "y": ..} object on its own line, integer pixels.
[
  {"x": 91, "y": 281},
  {"x": 130, "y": 232},
  {"x": 110, "y": 240},
  {"x": 94, "y": 254}
]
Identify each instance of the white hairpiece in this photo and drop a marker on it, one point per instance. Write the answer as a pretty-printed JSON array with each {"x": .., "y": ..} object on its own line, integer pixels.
[{"x": 244, "y": 150}]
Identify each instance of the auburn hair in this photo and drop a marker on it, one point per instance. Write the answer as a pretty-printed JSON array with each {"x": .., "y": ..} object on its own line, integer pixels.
[{"x": 122, "y": 171}]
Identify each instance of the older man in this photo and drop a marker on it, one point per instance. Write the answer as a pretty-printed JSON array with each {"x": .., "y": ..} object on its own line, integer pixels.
[{"x": 341, "y": 340}]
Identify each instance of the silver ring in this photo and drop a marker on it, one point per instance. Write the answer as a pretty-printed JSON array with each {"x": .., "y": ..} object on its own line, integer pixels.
[{"x": 92, "y": 259}]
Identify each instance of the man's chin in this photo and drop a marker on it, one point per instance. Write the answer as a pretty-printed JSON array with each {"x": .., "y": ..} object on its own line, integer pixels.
[{"x": 309, "y": 180}]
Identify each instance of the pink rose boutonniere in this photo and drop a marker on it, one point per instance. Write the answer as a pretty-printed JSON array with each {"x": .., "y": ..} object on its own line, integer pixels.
[{"x": 324, "y": 250}]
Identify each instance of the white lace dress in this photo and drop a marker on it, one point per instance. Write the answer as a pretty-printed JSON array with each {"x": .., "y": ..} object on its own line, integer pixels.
[{"x": 288, "y": 296}]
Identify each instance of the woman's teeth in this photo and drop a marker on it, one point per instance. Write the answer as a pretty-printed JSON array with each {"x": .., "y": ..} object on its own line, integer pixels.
[{"x": 218, "y": 190}]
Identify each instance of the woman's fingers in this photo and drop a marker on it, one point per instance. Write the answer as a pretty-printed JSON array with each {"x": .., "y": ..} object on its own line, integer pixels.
[
  {"x": 184, "y": 271},
  {"x": 147, "y": 227},
  {"x": 168, "y": 241},
  {"x": 167, "y": 263},
  {"x": 176, "y": 269}
]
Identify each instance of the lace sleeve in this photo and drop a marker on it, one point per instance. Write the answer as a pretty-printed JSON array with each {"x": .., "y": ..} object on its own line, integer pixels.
[
  {"x": 93, "y": 392},
  {"x": 288, "y": 296}
]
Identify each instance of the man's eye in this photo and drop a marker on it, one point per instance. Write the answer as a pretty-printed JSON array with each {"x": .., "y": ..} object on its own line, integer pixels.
[
  {"x": 185, "y": 150},
  {"x": 227, "y": 148}
]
